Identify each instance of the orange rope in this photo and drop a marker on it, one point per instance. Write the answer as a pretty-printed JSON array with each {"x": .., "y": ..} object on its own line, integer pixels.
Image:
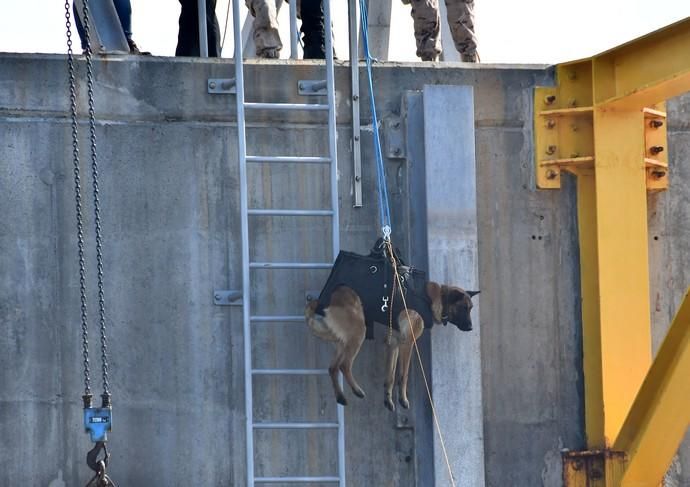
[{"x": 437, "y": 423}]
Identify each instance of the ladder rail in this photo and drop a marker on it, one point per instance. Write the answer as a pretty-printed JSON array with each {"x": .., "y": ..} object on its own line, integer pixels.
[
  {"x": 244, "y": 224},
  {"x": 335, "y": 220}
]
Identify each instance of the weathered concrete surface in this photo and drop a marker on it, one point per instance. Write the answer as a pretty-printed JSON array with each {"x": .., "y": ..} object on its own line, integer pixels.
[
  {"x": 669, "y": 248},
  {"x": 170, "y": 210}
]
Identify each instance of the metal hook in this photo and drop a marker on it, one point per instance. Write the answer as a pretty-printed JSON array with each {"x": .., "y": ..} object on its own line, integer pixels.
[
  {"x": 92, "y": 457},
  {"x": 385, "y": 304},
  {"x": 101, "y": 478}
]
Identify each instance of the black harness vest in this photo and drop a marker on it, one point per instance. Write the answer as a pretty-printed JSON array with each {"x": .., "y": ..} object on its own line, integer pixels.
[{"x": 372, "y": 278}]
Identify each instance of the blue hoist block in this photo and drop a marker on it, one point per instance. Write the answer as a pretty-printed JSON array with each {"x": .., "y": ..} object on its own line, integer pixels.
[{"x": 97, "y": 422}]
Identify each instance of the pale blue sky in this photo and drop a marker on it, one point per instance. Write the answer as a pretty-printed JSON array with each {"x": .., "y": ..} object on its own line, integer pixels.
[{"x": 510, "y": 31}]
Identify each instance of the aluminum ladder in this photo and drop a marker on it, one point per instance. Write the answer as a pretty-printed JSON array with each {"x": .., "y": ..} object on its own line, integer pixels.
[{"x": 249, "y": 266}]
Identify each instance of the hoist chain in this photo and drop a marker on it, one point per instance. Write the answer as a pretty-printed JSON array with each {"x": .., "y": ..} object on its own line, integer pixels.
[
  {"x": 97, "y": 421},
  {"x": 96, "y": 202},
  {"x": 77, "y": 191}
]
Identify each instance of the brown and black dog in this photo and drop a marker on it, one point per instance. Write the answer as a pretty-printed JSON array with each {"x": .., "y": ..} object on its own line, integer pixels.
[{"x": 343, "y": 324}]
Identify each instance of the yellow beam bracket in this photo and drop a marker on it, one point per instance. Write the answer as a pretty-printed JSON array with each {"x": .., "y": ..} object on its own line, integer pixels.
[
  {"x": 605, "y": 122},
  {"x": 598, "y": 468},
  {"x": 564, "y": 130}
]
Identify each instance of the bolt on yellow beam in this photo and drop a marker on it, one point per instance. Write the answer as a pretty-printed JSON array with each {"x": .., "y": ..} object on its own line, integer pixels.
[{"x": 660, "y": 414}]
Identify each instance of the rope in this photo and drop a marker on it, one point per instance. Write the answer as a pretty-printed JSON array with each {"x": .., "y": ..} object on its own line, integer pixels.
[
  {"x": 225, "y": 29},
  {"x": 385, "y": 220},
  {"x": 384, "y": 208},
  {"x": 437, "y": 423}
]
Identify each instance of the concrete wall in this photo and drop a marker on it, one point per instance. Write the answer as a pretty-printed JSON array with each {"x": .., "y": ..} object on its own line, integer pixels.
[{"x": 169, "y": 190}]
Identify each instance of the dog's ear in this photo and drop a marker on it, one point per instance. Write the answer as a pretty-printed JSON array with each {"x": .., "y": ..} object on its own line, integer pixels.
[{"x": 472, "y": 293}]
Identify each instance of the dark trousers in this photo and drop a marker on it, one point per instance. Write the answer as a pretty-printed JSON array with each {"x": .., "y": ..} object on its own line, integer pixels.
[
  {"x": 313, "y": 29},
  {"x": 188, "y": 36},
  {"x": 124, "y": 12}
]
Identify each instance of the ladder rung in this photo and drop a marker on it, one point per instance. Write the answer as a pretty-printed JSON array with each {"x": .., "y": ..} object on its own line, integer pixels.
[
  {"x": 275, "y": 212},
  {"x": 295, "y": 426},
  {"x": 290, "y": 265},
  {"x": 290, "y": 372},
  {"x": 286, "y": 106},
  {"x": 300, "y": 159},
  {"x": 294, "y": 480},
  {"x": 277, "y": 318}
]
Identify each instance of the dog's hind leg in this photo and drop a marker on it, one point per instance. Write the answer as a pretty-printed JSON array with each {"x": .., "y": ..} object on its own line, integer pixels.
[
  {"x": 333, "y": 370},
  {"x": 391, "y": 362},
  {"x": 351, "y": 351},
  {"x": 403, "y": 373}
]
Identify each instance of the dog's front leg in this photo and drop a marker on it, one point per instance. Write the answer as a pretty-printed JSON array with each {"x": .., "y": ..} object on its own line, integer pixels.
[{"x": 391, "y": 362}]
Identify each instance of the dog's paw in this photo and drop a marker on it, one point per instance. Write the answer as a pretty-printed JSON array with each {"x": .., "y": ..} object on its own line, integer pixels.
[
  {"x": 341, "y": 400},
  {"x": 388, "y": 402},
  {"x": 404, "y": 403},
  {"x": 359, "y": 393}
]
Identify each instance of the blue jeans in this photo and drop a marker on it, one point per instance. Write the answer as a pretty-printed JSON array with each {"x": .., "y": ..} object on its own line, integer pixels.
[{"x": 124, "y": 12}]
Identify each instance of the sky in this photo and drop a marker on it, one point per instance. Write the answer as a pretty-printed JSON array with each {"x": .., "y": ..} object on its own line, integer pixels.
[{"x": 509, "y": 31}]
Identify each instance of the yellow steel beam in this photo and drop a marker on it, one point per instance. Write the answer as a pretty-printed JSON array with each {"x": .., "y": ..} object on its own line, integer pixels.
[
  {"x": 591, "y": 336},
  {"x": 605, "y": 122},
  {"x": 660, "y": 414},
  {"x": 645, "y": 71},
  {"x": 622, "y": 270}
]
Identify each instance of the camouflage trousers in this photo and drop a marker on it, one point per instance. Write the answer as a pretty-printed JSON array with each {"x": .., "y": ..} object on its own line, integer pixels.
[
  {"x": 265, "y": 31},
  {"x": 267, "y": 37},
  {"x": 427, "y": 23}
]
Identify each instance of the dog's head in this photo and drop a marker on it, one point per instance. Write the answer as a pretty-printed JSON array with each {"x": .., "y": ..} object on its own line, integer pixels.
[{"x": 457, "y": 306}]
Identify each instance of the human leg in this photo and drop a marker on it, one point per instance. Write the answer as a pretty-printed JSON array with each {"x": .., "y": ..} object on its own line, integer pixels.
[
  {"x": 124, "y": 12},
  {"x": 313, "y": 29},
  {"x": 188, "y": 34},
  {"x": 461, "y": 22},
  {"x": 426, "y": 28},
  {"x": 265, "y": 31}
]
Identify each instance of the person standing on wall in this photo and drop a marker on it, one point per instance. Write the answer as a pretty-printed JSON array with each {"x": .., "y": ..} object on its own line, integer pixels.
[
  {"x": 427, "y": 22},
  {"x": 267, "y": 37},
  {"x": 124, "y": 12},
  {"x": 188, "y": 35}
]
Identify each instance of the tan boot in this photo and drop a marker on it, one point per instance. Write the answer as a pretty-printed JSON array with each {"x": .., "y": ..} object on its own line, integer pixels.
[{"x": 469, "y": 57}]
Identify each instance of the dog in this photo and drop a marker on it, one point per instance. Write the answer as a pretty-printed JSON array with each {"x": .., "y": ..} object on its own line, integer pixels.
[{"x": 343, "y": 323}]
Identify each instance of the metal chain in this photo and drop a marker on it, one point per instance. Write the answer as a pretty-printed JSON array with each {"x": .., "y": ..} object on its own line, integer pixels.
[
  {"x": 77, "y": 191},
  {"x": 96, "y": 202}
]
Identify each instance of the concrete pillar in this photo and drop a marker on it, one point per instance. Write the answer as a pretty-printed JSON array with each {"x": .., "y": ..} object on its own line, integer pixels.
[
  {"x": 453, "y": 257},
  {"x": 379, "y": 28}
]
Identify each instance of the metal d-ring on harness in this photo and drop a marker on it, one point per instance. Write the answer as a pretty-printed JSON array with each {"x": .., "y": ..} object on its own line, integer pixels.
[{"x": 97, "y": 421}]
